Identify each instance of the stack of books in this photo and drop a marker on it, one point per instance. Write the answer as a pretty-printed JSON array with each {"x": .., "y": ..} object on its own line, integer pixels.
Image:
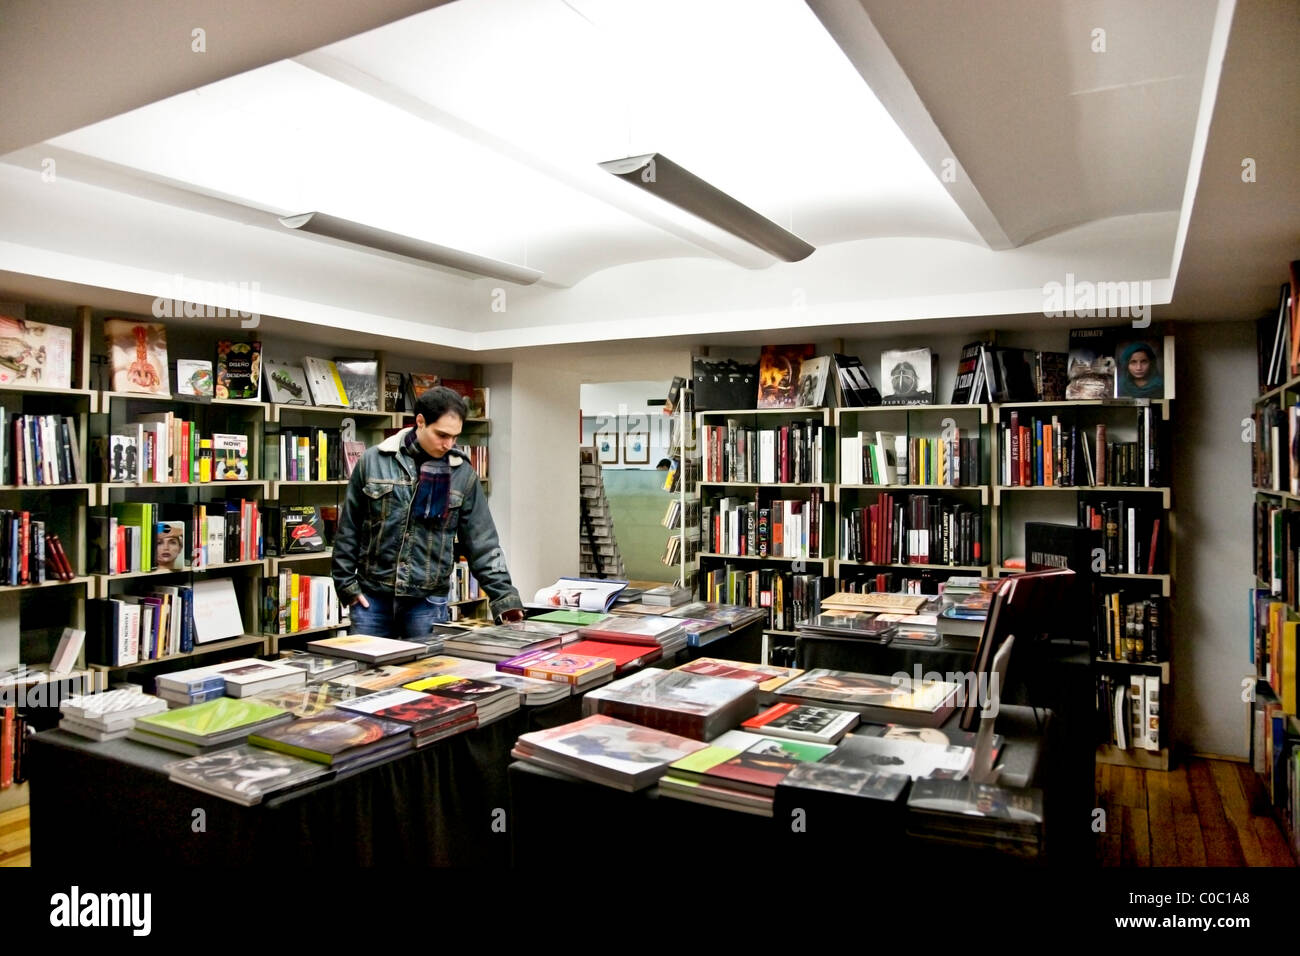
[
  {"x": 821, "y": 725},
  {"x": 977, "y": 814},
  {"x": 653, "y": 629},
  {"x": 915, "y": 758},
  {"x": 851, "y": 625},
  {"x": 209, "y": 726},
  {"x": 491, "y": 701},
  {"x": 502, "y": 643},
  {"x": 606, "y": 751},
  {"x": 581, "y": 671},
  {"x": 338, "y": 738},
  {"x": 244, "y": 774},
  {"x": 531, "y": 692},
  {"x": 676, "y": 702},
  {"x": 878, "y": 699},
  {"x": 370, "y": 650},
  {"x": 184, "y": 688},
  {"x": 107, "y": 716},
  {"x": 738, "y": 771},
  {"x": 310, "y": 700},
  {"x": 626, "y": 657},
  {"x": 915, "y": 629},
  {"x": 316, "y": 667},
  {"x": 668, "y": 595},
  {"x": 723, "y": 619},
  {"x": 395, "y": 675},
  {"x": 768, "y": 677},
  {"x": 430, "y": 716}
]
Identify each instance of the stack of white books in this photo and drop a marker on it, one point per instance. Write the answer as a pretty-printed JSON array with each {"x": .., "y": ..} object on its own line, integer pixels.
[{"x": 107, "y": 716}]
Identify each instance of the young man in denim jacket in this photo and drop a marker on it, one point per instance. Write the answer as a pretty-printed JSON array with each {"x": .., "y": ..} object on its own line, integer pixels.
[{"x": 411, "y": 500}]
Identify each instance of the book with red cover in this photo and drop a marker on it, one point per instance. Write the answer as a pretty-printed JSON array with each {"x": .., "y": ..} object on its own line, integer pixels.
[
  {"x": 760, "y": 768},
  {"x": 430, "y": 710},
  {"x": 562, "y": 666},
  {"x": 625, "y": 656}
]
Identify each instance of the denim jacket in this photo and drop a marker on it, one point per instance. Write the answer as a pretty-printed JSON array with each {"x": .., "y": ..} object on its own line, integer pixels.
[{"x": 380, "y": 548}]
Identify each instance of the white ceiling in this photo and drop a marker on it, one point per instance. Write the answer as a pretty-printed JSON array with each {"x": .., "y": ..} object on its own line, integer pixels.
[{"x": 479, "y": 125}]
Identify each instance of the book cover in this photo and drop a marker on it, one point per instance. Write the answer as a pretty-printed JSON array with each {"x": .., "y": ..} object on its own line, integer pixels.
[
  {"x": 35, "y": 354},
  {"x": 210, "y": 719},
  {"x": 301, "y": 530},
  {"x": 582, "y": 594},
  {"x": 239, "y": 369},
  {"x": 766, "y": 763},
  {"x": 360, "y": 378},
  {"x": 868, "y": 689},
  {"x": 803, "y": 722},
  {"x": 1053, "y": 375},
  {"x": 394, "y": 392},
  {"x": 768, "y": 677},
  {"x": 778, "y": 374},
  {"x": 1139, "y": 368},
  {"x": 914, "y": 758},
  {"x": 244, "y": 774},
  {"x": 306, "y": 701},
  {"x": 563, "y": 666},
  {"x": 1091, "y": 366},
  {"x": 230, "y": 457},
  {"x": 194, "y": 377},
  {"x": 477, "y": 403},
  {"x": 364, "y": 647},
  {"x": 611, "y": 744},
  {"x": 329, "y": 736},
  {"x": 968, "y": 364},
  {"x": 216, "y": 611},
  {"x": 856, "y": 390},
  {"x": 421, "y": 382},
  {"x": 458, "y": 688},
  {"x": 850, "y": 781},
  {"x": 138, "y": 356},
  {"x": 906, "y": 377},
  {"x": 169, "y": 546},
  {"x": 286, "y": 383},
  {"x": 1015, "y": 372},
  {"x": 812, "y": 382},
  {"x": 324, "y": 382}
]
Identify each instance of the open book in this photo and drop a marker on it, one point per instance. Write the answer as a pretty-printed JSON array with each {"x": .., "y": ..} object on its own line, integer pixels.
[{"x": 583, "y": 594}]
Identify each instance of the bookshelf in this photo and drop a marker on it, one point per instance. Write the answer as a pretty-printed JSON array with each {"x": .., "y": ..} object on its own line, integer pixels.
[
  {"x": 682, "y": 516},
  {"x": 1271, "y": 687},
  {"x": 767, "y": 512}
]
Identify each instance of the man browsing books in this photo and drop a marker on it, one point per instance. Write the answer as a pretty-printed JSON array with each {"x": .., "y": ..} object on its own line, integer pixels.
[{"x": 413, "y": 502}]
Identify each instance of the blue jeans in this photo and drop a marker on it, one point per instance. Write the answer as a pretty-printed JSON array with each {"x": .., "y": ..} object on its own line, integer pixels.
[{"x": 390, "y": 616}]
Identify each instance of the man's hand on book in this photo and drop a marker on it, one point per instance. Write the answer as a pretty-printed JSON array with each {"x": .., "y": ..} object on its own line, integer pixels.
[{"x": 512, "y": 616}]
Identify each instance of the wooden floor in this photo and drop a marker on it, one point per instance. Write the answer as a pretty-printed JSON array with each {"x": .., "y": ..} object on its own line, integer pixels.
[
  {"x": 1202, "y": 813},
  {"x": 15, "y": 839}
]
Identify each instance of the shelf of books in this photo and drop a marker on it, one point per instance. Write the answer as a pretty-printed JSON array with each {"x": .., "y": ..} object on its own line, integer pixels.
[
  {"x": 215, "y": 647},
  {"x": 1274, "y": 603},
  {"x": 682, "y": 516}
]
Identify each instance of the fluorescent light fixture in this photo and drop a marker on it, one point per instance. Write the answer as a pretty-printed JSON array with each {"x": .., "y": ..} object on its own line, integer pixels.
[
  {"x": 344, "y": 230},
  {"x": 659, "y": 175}
]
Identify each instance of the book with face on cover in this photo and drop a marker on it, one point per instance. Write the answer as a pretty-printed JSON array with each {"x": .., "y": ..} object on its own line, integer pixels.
[
  {"x": 604, "y": 750},
  {"x": 138, "y": 353},
  {"x": 907, "y": 376}
]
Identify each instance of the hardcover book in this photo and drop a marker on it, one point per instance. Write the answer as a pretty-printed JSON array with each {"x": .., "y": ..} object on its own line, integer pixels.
[
  {"x": 301, "y": 530},
  {"x": 194, "y": 377},
  {"x": 244, "y": 774},
  {"x": 778, "y": 374},
  {"x": 394, "y": 392},
  {"x": 362, "y": 647},
  {"x": 856, "y": 390},
  {"x": 915, "y": 758},
  {"x": 812, "y": 382},
  {"x": 138, "y": 356},
  {"x": 874, "y": 696},
  {"x": 907, "y": 376},
  {"x": 286, "y": 383},
  {"x": 1139, "y": 368},
  {"x": 360, "y": 378},
  {"x": 420, "y": 383},
  {"x": 605, "y": 750},
  {"x": 35, "y": 354},
  {"x": 323, "y": 380},
  {"x": 818, "y": 724},
  {"x": 1091, "y": 364},
  {"x": 239, "y": 369},
  {"x": 169, "y": 546},
  {"x": 331, "y": 737},
  {"x": 230, "y": 457},
  {"x": 215, "y": 719}
]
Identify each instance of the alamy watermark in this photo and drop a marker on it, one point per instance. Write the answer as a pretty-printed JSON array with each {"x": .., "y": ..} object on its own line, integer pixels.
[
  {"x": 45, "y": 693},
  {"x": 199, "y": 299},
  {"x": 1085, "y": 299},
  {"x": 972, "y": 688}
]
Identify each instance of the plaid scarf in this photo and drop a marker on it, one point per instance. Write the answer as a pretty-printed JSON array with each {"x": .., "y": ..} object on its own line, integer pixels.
[{"x": 431, "y": 492}]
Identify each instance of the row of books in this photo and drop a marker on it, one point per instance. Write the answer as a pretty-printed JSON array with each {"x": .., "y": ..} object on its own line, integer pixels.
[
  {"x": 682, "y": 469},
  {"x": 314, "y": 454},
  {"x": 464, "y": 586},
  {"x": 785, "y": 528},
  {"x": 29, "y": 552},
  {"x": 162, "y": 447},
  {"x": 1277, "y": 758},
  {"x": 795, "y": 452},
  {"x": 1048, "y": 452},
  {"x": 13, "y": 746},
  {"x": 162, "y": 622},
  {"x": 1277, "y": 550},
  {"x": 1129, "y": 534},
  {"x": 1129, "y": 708},
  {"x": 913, "y": 529},
  {"x": 1275, "y": 462},
  {"x": 1273, "y": 646},
  {"x": 951, "y": 462},
  {"x": 293, "y": 602},
  {"x": 677, "y": 510},
  {"x": 1277, "y": 336},
  {"x": 402, "y": 389},
  {"x": 1131, "y": 630},
  {"x": 673, "y": 551},
  {"x": 39, "y": 450},
  {"x": 789, "y": 597},
  {"x": 145, "y": 536},
  {"x": 478, "y": 460}
]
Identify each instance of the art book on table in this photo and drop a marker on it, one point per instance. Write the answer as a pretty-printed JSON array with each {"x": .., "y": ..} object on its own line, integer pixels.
[
  {"x": 323, "y": 380},
  {"x": 239, "y": 369},
  {"x": 35, "y": 354},
  {"x": 194, "y": 378},
  {"x": 907, "y": 376},
  {"x": 778, "y": 374},
  {"x": 360, "y": 379},
  {"x": 1091, "y": 364},
  {"x": 286, "y": 383},
  {"x": 138, "y": 356}
]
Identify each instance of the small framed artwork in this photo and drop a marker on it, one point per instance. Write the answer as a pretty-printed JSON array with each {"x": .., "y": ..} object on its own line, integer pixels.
[
  {"x": 636, "y": 441},
  {"x": 606, "y": 441}
]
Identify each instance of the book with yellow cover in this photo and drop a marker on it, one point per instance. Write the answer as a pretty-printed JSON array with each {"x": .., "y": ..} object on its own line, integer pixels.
[{"x": 324, "y": 381}]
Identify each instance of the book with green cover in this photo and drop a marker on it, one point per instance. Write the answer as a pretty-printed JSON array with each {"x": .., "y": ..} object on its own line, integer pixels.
[
  {"x": 214, "y": 719},
  {"x": 140, "y": 515},
  {"x": 580, "y": 618}
]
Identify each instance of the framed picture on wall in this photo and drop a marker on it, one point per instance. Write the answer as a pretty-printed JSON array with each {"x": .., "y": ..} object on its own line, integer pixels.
[
  {"x": 636, "y": 441},
  {"x": 605, "y": 438}
]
